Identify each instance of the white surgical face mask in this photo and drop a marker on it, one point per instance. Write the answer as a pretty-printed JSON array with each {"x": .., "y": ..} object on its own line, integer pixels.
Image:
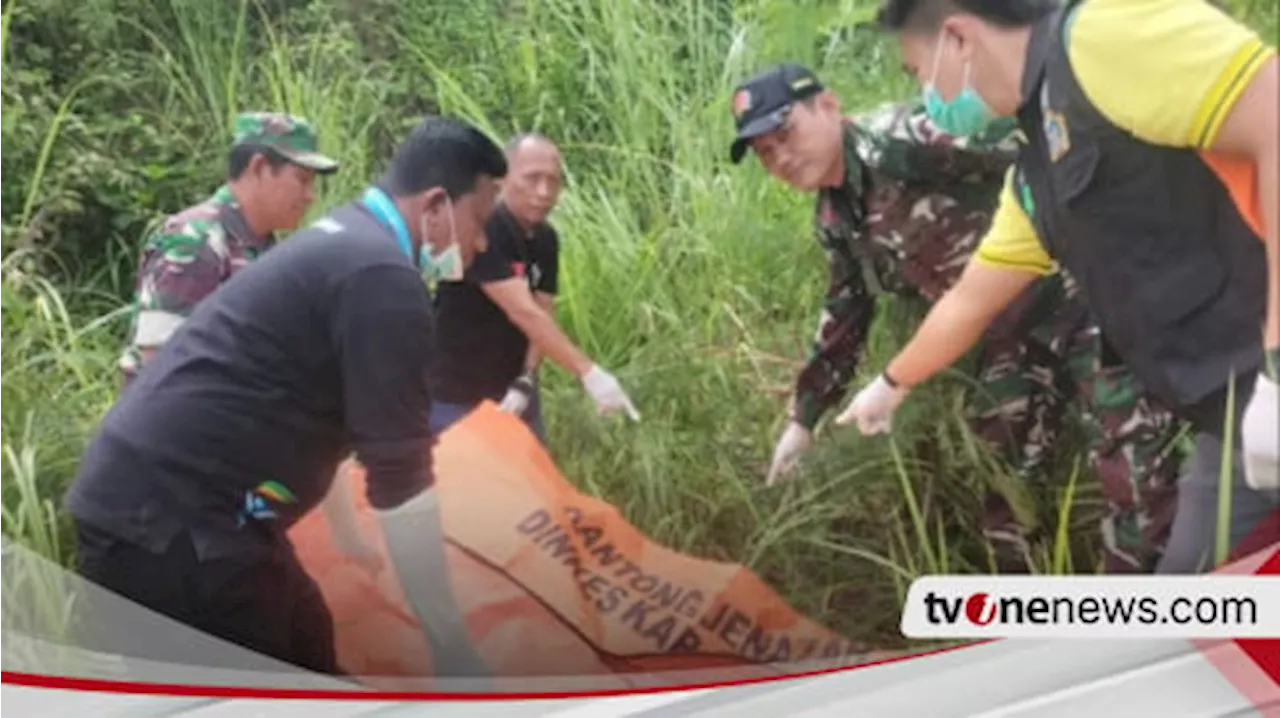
[{"x": 445, "y": 265}]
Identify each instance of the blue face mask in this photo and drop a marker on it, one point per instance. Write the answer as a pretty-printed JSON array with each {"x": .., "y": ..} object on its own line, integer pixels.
[{"x": 966, "y": 114}]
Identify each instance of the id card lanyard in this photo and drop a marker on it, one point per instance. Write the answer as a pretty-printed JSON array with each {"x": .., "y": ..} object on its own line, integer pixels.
[{"x": 385, "y": 211}]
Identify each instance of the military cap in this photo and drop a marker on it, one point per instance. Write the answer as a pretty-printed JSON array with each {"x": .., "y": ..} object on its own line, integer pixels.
[
  {"x": 761, "y": 104},
  {"x": 291, "y": 136}
]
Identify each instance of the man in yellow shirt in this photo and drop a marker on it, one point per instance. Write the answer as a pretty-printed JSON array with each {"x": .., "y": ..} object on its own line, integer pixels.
[{"x": 1148, "y": 170}]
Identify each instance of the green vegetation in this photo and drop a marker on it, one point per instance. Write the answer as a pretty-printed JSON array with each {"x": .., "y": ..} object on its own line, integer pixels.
[{"x": 696, "y": 281}]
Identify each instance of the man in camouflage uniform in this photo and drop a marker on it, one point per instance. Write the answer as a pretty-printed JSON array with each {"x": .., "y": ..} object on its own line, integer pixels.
[
  {"x": 273, "y": 162},
  {"x": 900, "y": 208}
]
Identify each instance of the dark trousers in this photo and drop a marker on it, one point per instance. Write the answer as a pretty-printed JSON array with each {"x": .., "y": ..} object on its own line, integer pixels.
[
  {"x": 1195, "y": 527},
  {"x": 266, "y": 603}
]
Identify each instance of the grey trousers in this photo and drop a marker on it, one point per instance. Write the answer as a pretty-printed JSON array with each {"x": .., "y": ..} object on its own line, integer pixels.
[{"x": 1193, "y": 537}]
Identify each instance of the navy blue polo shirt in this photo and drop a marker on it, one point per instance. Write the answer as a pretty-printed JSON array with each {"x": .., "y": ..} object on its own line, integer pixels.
[{"x": 237, "y": 426}]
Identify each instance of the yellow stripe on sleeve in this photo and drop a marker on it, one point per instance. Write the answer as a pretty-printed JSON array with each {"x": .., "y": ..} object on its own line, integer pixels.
[
  {"x": 1233, "y": 81},
  {"x": 1167, "y": 71}
]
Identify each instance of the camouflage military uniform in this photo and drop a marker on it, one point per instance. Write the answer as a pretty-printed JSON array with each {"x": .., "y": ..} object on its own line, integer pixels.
[
  {"x": 914, "y": 205},
  {"x": 195, "y": 251}
]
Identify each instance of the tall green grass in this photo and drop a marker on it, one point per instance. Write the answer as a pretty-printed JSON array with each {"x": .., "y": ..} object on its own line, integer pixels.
[{"x": 696, "y": 281}]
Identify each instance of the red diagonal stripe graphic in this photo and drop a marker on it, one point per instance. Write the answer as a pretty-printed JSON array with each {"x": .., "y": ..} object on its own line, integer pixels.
[
  {"x": 1266, "y": 651},
  {"x": 1252, "y": 665}
]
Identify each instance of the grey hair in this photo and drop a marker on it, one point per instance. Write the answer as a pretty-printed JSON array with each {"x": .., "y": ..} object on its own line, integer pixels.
[{"x": 514, "y": 143}]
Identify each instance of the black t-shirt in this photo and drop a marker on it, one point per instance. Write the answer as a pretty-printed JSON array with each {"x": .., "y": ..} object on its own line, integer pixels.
[
  {"x": 316, "y": 349},
  {"x": 479, "y": 350}
]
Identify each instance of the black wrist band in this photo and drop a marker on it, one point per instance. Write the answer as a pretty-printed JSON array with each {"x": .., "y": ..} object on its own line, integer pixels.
[
  {"x": 523, "y": 383},
  {"x": 1271, "y": 362},
  {"x": 893, "y": 383}
]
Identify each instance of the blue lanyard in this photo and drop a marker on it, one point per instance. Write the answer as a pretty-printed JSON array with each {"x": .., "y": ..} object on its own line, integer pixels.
[{"x": 385, "y": 211}]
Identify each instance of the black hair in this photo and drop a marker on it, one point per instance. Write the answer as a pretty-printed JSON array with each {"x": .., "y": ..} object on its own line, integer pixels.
[
  {"x": 927, "y": 15},
  {"x": 442, "y": 152},
  {"x": 238, "y": 160}
]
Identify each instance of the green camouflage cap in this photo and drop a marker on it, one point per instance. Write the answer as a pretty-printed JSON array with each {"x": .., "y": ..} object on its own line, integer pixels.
[{"x": 290, "y": 135}]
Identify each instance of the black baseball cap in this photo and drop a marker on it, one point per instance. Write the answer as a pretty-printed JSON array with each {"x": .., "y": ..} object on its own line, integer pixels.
[{"x": 760, "y": 105}]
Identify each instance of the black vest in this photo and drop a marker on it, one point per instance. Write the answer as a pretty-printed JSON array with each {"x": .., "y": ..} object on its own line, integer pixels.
[{"x": 1174, "y": 275}]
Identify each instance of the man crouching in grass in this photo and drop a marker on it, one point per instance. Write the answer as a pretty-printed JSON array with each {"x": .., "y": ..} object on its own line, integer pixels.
[{"x": 900, "y": 208}]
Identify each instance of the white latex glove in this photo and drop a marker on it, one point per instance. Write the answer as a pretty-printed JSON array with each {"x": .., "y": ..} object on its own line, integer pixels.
[
  {"x": 355, "y": 548},
  {"x": 518, "y": 396},
  {"x": 416, "y": 540},
  {"x": 795, "y": 441},
  {"x": 339, "y": 510},
  {"x": 872, "y": 408},
  {"x": 607, "y": 392},
  {"x": 1260, "y": 434}
]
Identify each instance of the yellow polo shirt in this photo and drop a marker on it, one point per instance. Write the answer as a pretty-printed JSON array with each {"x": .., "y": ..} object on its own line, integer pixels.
[{"x": 1168, "y": 71}]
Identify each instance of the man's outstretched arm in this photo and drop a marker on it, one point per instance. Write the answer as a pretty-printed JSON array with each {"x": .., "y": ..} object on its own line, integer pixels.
[
  {"x": 545, "y": 336},
  {"x": 957, "y": 322},
  {"x": 1009, "y": 259},
  {"x": 383, "y": 336},
  {"x": 518, "y": 303},
  {"x": 845, "y": 319}
]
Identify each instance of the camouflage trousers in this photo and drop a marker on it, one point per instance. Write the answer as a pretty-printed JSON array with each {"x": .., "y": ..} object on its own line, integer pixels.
[{"x": 1042, "y": 358}]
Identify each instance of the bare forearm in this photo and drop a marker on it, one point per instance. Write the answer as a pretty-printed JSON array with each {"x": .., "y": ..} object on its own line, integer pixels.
[
  {"x": 949, "y": 331},
  {"x": 957, "y": 321},
  {"x": 547, "y": 339},
  {"x": 532, "y": 359}
]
